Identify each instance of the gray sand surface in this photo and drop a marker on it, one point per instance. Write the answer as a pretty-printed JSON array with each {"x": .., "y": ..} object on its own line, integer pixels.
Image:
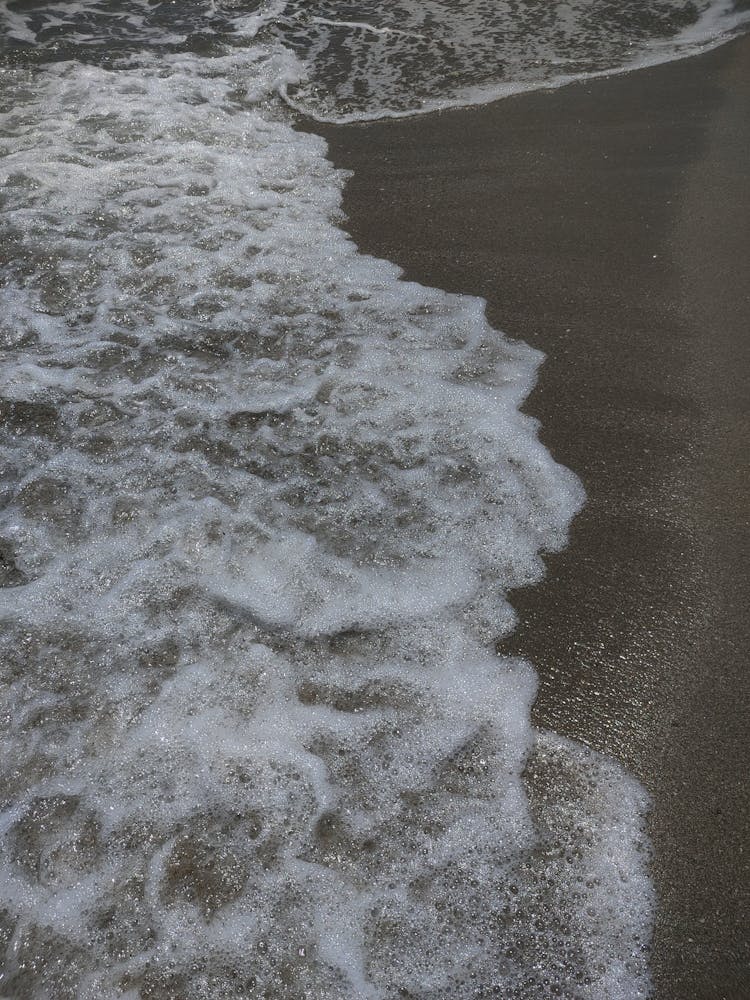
[{"x": 608, "y": 224}]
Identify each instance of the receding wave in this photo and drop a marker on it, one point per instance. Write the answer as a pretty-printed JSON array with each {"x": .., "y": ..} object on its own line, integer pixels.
[{"x": 374, "y": 60}]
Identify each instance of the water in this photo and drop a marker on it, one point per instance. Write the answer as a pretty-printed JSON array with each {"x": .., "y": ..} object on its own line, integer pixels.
[{"x": 263, "y": 505}]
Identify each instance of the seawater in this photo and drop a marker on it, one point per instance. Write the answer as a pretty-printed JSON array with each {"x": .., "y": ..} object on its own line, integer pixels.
[{"x": 263, "y": 504}]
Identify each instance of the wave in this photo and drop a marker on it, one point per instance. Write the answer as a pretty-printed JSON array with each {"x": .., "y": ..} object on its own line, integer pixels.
[
  {"x": 263, "y": 505},
  {"x": 418, "y": 58}
]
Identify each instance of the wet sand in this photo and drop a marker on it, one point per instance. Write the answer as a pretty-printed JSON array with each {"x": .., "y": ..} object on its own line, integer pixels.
[{"x": 608, "y": 224}]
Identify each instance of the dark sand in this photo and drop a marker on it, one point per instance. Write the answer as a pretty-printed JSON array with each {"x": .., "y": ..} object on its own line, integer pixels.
[{"x": 608, "y": 224}]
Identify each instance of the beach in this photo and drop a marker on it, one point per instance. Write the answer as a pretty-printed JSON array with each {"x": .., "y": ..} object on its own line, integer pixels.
[
  {"x": 366, "y": 637},
  {"x": 606, "y": 223}
]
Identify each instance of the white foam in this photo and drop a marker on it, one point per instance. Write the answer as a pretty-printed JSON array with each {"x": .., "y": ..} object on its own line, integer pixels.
[{"x": 264, "y": 505}]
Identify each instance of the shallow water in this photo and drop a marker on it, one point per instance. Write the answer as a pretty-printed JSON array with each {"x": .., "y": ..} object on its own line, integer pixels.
[{"x": 263, "y": 504}]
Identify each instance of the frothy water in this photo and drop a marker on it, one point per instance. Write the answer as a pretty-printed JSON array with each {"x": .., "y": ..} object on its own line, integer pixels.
[
  {"x": 263, "y": 505},
  {"x": 372, "y": 59},
  {"x": 367, "y": 59}
]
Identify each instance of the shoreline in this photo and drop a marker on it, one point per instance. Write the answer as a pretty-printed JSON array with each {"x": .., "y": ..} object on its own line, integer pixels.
[{"x": 606, "y": 223}]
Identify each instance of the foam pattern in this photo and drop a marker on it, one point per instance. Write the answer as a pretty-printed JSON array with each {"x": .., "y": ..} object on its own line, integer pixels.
[
  {"x": 263, "y": 504},
  {"x": 369, "y": 59},
  {"x": 366, "y": 59}
]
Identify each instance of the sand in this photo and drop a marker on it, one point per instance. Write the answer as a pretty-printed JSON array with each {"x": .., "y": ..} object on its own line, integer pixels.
[{"x": 608, "y": 224}]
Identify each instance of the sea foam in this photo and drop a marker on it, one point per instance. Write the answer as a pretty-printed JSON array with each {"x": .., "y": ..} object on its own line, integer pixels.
[{"x": 264, "y": 502}]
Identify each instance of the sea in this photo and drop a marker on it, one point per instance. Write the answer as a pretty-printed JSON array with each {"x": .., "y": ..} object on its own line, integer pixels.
[{"x": 263, "y": 507}]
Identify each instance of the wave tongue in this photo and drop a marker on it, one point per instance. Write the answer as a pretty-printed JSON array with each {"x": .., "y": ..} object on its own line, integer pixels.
[
  {"x": 264, "y": 503},
  {"x": 369, "y": 60}
]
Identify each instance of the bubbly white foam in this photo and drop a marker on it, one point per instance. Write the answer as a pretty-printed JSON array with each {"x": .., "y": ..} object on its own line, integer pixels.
[{"x": 263, "y": 506}]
